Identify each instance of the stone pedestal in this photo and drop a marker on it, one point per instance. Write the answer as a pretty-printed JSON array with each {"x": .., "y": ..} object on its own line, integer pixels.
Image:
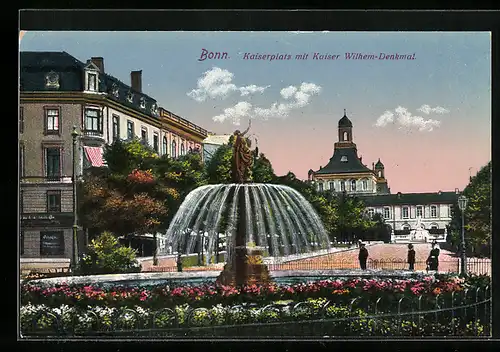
[{"x": 246, "y": 268}]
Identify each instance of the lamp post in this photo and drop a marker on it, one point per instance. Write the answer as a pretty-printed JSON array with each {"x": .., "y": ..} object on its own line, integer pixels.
[
  {"x": 462, "y": 205},
  {"x": 74, "y": 135}
]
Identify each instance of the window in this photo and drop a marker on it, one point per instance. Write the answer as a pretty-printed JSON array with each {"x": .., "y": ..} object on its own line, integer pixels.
[
  {"x": 183, "y": 149},
  {"x": 21, "y": 242},
  {"x": 406, "y": 227},
  {"x": 156, "y": 143},
  {"x": 92, "y": 82},
  {"x": 364, "y": 185},
  {"x": 52, "y": 80},
  {"x": 52, "y": 121},
  {"x": 332, "y": 186},
  {"x": 371, "y": 212},
  {"x": 420, "y": 211},
  {"x": 353, "y": 185},
  {"x": 405, "y": 212},
  {"x": 142, "y": 102},
  {"x": 433, "y": 211},
  {"x": 434, "y": 226},
  {"x": 21, "y": 160},
  {"x": 342, "y": 186},
  {"x": 130, "y": 97},
  {"x": 380, "y": 174},
  {"x": 93, "y": 121},
  {"x": 52, "y": 243},
  {"x": 320, "y": 185},
  {"x": 449, "y": 211},
  {"x": 144, "y": 135},
  {"x": 21, "y": 120},
  {"x": 54, "y": 201},
  {"x": 343, "y": 159},
  {"x": 165, "y": 145},
  {"x": 387, "y": 213},
  {"x": 53, "y": 162},
  {"x": 130, "y": 130},
  {"x": 173, "y": 151},
  {"x": 116, "y": 127},
  {"x": 345, "y": 136}
]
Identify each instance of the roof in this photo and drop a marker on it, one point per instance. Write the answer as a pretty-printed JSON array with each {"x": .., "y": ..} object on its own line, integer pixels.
[
  {"x": 34, "y": 65},
  {"x": 345, "y": 122},
  {"x": 217, "y": 139},
  {"x": 379, "y": 165},
  {"x": 336, "y": 166},
  {"x": 409, "y": 198}
]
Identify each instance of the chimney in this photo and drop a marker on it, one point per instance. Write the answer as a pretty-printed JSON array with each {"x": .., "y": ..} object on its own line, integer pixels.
[
  {"x": 373, "y": 166},
  {"x": 136, "y": 80},
  {"x": 99, "y": 62}
]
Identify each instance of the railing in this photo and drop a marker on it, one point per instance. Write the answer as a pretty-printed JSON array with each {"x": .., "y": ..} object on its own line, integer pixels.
[
  {"x": 182, "y": 121},
  {"x": 476, "y": 266},
  {"x": 90, "y": 133},
  {"x": 463, "y": 313},
  {"x": 45, "y": 179}
]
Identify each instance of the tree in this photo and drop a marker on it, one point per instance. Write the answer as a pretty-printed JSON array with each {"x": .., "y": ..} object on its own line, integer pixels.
[
  {"x": 124, "y": 156},
  {"x": 477, "y": 214},
  {"x": 262, "y": 170},
  {"x": 218, "y": 169}
]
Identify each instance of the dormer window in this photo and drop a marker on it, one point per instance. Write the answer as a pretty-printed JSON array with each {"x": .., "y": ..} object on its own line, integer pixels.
[
  {"x": 142, "y": 103},
  {"x": 343, "y": 159},
  {"x": 52, "y": 80},
  {"x": 154, "y": 109},
  {"x": 115, "y": 91},
  {"x": 130, "y": 97},
  {"x": 92, "y": 82}
]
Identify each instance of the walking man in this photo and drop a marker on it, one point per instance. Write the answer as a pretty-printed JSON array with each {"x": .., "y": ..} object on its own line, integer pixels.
[
  {"x": 411, "y": 257},
  {"x": 363, "y": 256},
  {"x": 433, "y": 259}
]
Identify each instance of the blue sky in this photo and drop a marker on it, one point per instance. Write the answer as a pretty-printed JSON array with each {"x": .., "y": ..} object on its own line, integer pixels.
[{"x": 450, "y": 71}]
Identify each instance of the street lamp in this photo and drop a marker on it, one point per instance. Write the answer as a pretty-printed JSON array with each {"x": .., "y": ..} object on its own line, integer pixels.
[
  {"x": 74, "y": 135},
  {"x": 462, "y": 205}
]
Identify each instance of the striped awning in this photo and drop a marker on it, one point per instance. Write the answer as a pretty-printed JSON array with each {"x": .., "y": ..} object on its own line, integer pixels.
[{"x": 95, "y": 156}]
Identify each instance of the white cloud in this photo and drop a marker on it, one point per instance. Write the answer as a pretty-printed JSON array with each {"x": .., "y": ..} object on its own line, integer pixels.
[
  {"x": 385, "y": 119},
  {"x": 218, "y": 83},
  {"x": 426, "y": 109},
  {"x": 297, "y": 97},
  {"x": 235, "y": 113},
  {"x": 405, "y": 119},
  {"x": 252, "y": 89}
]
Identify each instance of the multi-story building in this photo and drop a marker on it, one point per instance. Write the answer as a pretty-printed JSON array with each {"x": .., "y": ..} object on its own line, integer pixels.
[
  {"x": 345, "y": 171},
  {"x": 57, "y": 92}
]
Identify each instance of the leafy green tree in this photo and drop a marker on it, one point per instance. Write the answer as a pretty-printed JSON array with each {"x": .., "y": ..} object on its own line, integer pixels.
[
  {"x": 477, "y": 214},
  {"x": 106, "y": 256},
  {"x": 218, "y": 169},
  {"x": 124, "y": 156},
  {"x": 262, "y": 170}
]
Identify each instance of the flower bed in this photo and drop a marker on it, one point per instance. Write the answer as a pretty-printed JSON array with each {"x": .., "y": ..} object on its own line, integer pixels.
[
  {"x": 330, "y": 307},
  {"x": 207, "y": 295}
]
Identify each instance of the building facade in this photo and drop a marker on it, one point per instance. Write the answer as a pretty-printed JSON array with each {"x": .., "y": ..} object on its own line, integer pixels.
[
  {"x": 57, "y": 92},
  {"x": 212, "y": 143},
  {"x": 345, "y": 171}
]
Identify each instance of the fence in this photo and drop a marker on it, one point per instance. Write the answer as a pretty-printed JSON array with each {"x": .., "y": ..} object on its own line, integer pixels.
[
  {"x": 478, "y": 266},
  {"x": 462, "y": 313}
]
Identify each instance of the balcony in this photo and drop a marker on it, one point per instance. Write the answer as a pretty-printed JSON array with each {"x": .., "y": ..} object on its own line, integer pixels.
[
  {"x": 93, "y": 138},
  {"x": 45, "y": 179}
]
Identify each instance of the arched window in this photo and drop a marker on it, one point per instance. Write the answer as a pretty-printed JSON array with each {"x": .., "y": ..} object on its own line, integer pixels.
[
  {"x": 183, "y": 150},
  {"x": 364, "y": 185},
  {"x": 173, "y": 152},
  {"x": 380, "y": 174},
  {"x": 434, "y": 226},
  {"x": 353, "y": 185},
  {"x": 165, "y": 145},
  {"x": 345, "y": 136},
  {"x": 406, "y": 227}
]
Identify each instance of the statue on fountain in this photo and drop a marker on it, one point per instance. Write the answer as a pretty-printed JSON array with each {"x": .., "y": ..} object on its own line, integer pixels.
[
  {"x": 242, "y": 156},
  {"x": 245, "y": 265}
]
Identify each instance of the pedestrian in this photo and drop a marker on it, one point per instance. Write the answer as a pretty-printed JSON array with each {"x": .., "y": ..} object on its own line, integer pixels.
[
  {"x": 363, "y": 256},
  {"x": 433, "y": 259},
  {"x": 179, "y": 262},
  {"x": 411, "y": 257}
]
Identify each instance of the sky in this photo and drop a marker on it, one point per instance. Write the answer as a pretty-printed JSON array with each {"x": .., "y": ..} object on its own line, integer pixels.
[{"x": 427, "y": 118}]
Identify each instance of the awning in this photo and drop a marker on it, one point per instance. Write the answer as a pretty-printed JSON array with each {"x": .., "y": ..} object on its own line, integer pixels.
[{"x": 95, "y": 156}]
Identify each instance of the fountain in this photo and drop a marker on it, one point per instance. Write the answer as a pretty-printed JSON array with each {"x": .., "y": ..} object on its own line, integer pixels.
[{"x": 257, "y": 219}]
